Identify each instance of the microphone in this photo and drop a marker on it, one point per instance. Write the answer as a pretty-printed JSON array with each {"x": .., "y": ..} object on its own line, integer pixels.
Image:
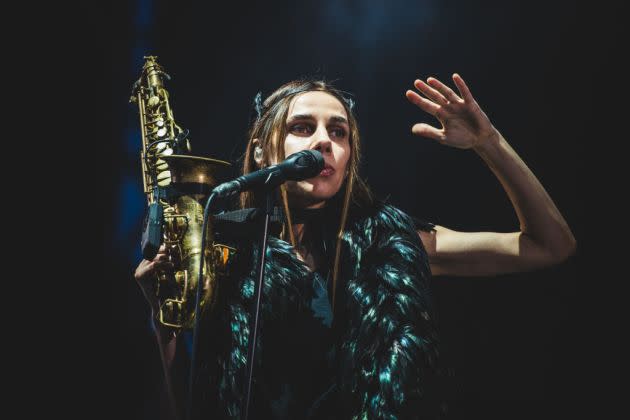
[{"x": 298, "y": 166}]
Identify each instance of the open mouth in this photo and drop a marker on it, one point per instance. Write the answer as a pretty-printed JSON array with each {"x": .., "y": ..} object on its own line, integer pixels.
[{"x": 327, "y": 171}]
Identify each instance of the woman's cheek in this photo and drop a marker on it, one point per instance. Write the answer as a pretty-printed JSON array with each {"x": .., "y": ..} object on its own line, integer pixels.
[{"x": 293, "y": 145}]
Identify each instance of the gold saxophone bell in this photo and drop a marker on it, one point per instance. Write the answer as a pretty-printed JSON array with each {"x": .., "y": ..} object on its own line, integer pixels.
[
  {"x": 177, "y": 187},
  {"x": 194, "y": 177}
]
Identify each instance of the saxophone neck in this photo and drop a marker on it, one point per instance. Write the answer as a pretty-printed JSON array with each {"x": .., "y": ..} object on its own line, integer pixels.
[
  {"x": 151, "y": 81},
  {"x": 154, "y": 73}
]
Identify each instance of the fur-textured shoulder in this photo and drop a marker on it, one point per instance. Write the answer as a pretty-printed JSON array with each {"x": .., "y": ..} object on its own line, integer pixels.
[
  {"x": 384, "y": 319},
  {"x": 390, "y": 344}
]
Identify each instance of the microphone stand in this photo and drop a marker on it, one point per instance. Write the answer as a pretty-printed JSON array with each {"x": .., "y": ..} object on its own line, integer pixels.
[{"x": 258, "y": 287}]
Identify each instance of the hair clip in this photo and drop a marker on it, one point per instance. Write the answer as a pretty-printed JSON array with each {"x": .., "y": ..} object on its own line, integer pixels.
[
  {"x": 350, "y": 102},
  {"x": 258, "y": 106}
]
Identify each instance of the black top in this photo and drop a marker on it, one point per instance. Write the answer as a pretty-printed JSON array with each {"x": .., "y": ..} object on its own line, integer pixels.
[
  {"x": 308, "y": 389},
  {"x": 308, "y": 393}
]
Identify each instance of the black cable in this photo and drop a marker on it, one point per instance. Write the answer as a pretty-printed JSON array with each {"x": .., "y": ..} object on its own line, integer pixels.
[{"x": 193, "y": 358}]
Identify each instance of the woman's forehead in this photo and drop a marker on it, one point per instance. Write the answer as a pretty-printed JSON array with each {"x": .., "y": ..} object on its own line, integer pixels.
[{"x": 317, "y": 104}]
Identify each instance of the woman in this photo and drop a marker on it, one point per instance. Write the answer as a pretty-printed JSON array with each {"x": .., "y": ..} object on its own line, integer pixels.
[{"x": 347, "y": 320}]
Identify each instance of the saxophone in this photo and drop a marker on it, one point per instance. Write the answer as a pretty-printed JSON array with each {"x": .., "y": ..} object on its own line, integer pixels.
[{"x": 177, "y": 186}]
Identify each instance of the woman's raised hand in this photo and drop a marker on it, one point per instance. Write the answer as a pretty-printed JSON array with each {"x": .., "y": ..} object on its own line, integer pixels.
[{"x": 464, "y": 124}]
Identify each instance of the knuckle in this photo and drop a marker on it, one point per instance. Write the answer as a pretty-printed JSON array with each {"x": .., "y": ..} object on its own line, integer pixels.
[
  {"x": 139, "y": 270},
  {"x": 148, "y": 269}
]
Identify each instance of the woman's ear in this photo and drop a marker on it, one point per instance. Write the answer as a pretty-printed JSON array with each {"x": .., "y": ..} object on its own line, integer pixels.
[{"x": 258, "y": 153}]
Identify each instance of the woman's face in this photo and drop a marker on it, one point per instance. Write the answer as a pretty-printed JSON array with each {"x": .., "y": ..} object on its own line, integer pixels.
[{"x": 318, "y": 121}]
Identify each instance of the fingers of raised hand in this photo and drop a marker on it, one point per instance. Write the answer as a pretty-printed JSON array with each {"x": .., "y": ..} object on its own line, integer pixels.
[
  {"x": 425, "y": 104},
  {"x": 463, "y": 88},
  {"x": 429, "y": 92},
  {"x": 444, "y": 90}
]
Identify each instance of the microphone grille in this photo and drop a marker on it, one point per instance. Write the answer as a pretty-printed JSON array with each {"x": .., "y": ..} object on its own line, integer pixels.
[{"x": 307, "y": 164}]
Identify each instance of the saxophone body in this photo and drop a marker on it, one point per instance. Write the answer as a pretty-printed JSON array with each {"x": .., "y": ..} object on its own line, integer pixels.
[{"x": 177, "y": 186}]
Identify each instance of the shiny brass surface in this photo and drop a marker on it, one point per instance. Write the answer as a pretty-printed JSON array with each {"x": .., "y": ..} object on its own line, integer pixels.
[
  {"x": 194, "y": 170},
  {"x": 189, "y": 179},
  {"x": 182, "y": 237}
]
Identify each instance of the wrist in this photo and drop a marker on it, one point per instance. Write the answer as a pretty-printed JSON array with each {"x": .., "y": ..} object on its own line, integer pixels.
[{"x": 488, "y": 143}]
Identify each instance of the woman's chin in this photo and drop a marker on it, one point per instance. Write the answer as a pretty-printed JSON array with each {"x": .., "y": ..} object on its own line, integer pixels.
[
  {"x": 310, "y": 193},
  {"x": 321, "y": 189}
]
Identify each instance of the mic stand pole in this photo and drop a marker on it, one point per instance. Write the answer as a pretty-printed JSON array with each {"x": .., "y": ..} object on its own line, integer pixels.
[{"x": 258, "y": 288}]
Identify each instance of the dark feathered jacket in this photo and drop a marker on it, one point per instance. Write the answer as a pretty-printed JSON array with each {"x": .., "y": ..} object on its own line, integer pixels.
[{"x": 387, "y": 344}]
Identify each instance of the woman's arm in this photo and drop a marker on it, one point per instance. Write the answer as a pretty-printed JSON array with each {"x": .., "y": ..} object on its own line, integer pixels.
[
  {"x": 145, "y": 276},
  {"x": 544, "y": 238},
  {"x": 166, "y": 337}
]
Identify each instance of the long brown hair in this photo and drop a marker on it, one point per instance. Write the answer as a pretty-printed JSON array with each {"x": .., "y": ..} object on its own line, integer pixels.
[{"x": 270, "y": 130}]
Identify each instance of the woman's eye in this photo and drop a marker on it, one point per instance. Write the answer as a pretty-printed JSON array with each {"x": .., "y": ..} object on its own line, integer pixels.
[
  {"x": 301, "y": 129},
  {"x": 338, "y": 132}
]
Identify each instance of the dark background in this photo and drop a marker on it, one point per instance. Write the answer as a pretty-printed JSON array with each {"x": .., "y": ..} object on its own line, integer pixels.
[{"x": 513, "y": 343}]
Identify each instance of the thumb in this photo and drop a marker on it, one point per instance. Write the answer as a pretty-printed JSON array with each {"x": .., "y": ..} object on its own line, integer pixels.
[{"x": 425, "y": 130}]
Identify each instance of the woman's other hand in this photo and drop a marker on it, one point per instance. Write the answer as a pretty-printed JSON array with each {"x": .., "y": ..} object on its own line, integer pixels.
[{"x": 146, "y": 273}]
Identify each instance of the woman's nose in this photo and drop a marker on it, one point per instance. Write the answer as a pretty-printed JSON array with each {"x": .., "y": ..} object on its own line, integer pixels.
[{"x": 322, "y": 144}]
